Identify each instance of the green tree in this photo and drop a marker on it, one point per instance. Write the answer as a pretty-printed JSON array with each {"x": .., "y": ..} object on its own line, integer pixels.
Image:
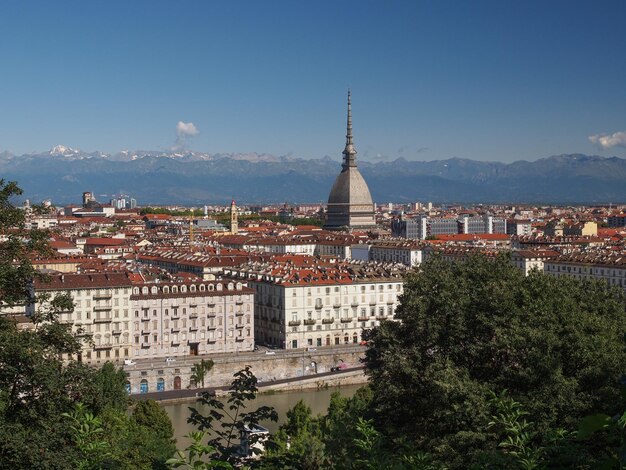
[
  {"x": 197, "y": 455},
  {"x": 41, "y": 381},
  {"x": 89, "y": 437},
  {"x": 298, "y": 442},
  {"x": 470, "y": 327},
  {"x": 227, "y": 421},
  {"x": 200, "y": 370}
]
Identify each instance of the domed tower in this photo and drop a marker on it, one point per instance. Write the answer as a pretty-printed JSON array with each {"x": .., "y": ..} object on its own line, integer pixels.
[{"x": 350, "y": 202}]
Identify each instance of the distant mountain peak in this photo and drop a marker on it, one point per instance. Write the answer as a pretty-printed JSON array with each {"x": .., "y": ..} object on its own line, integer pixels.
[{"x": 63, "y": 151}]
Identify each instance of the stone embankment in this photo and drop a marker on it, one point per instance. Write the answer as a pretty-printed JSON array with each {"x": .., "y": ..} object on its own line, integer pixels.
[{"x": 270, "y": 367}]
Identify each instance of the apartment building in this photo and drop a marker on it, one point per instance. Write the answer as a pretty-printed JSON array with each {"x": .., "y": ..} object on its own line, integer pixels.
[
  {"x": 315, "y": 305},
  {"x": 519, "y": 227},
  {"x": 171, "y": 319},
  {"x": 527, "y": 260},
  {"x": 423, "y": 227},
  {"x": 617, "y": 220},
  {"x": 593, "y": 264},
  {"x": 407, "y": 252},
  {"x": 101, "y": 310}
]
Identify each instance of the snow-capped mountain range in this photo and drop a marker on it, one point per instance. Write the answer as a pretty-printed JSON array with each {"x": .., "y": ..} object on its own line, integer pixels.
[{"x": 189, "y": 177}]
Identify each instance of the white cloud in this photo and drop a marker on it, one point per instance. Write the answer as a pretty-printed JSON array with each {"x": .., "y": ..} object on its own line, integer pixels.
[
  {"x": 186, "y": 129},
  {"x": 607, "y": 141}
]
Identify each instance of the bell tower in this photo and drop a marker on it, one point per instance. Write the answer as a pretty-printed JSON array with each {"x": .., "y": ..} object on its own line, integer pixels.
[{"x": 234, "y": 224}]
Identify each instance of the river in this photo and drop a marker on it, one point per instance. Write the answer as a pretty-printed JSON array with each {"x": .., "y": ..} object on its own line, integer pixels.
[{"x": 317, "y": 400}]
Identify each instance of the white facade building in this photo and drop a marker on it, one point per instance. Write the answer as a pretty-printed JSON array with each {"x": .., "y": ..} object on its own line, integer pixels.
[{"x": 298, "y": 307}]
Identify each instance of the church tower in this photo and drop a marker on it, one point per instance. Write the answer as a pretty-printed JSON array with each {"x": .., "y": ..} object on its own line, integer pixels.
[
  {"x": 350, "y": 202},
  {"x": 234, "y": 224}
]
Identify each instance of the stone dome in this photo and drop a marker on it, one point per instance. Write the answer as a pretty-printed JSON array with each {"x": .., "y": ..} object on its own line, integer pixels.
[{"x": 350, "y": 188}]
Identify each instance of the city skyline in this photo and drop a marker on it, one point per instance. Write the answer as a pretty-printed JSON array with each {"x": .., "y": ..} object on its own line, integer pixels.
[{"x": 488, "y": 81}]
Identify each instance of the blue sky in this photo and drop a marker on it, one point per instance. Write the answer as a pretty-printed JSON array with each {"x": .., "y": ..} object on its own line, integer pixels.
[{"x": 487, "y": 80}]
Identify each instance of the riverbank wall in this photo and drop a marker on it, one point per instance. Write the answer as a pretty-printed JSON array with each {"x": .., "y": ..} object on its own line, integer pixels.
[{"x": 164, "y": 376}]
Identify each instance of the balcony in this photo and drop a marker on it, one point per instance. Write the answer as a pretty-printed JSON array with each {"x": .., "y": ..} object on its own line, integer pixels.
[
  {"x": 239, "y": 326},
  {"x": 239, "y": 314},
  {"x": 175, "y": 329},
  {"x": 116, "y": 332},
  {"x": 354, "y": 304},
  {"x": 211, "y": 327},
  {"x": 145, "y": 319},
  {"x": 175, "y": 342},
  {"x": 211, "y": 340},
  {"x": 295, "y": 323},
  {"x": 211, "y": 315},
  {"x": 145, "y": 345},
  {"x": 328, "y": 321},
  {"x": 210, "y": 304},
  {"x": 106, "y": 319},
  {"x": 193, "y": 328},
  {"x": 193, "y": 315},
  {"x": 346, "y": 320},
  {"x": 145, "y": 332},
  {"x": 105, "y": 294},
  {"x": 390, "y": 302},
  {"x": 363, "y": 318},
  {"x": 239, "y": 339},
  {"x": 239, "y": 302},
  {"x": 336, "y": 305},
  {"x": 102, "y": 308},
  {"x": 381, "y": 317},
  {"x": 103, "y": 346},
  {"x": 318, "y": 306},
  {"x": 310, "y": 321},
  {"x": 372, "y": 303}
]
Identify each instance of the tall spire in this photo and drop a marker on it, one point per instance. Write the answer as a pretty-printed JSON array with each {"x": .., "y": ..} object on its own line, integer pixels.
[{"x": 349, "y": 153}]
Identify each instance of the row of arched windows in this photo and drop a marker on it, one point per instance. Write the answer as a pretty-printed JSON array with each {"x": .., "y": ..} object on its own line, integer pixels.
[{"x": 183, "y": 288}]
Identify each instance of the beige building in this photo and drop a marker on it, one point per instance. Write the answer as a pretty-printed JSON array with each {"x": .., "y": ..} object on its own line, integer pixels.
[
  {"x": 527, "y": 260},
  {"x": 191, "y": 318},
  {"x": 101, "y": 310},
  {"x": 593, "y": 264},
  {"x": 315, "y": 306}
]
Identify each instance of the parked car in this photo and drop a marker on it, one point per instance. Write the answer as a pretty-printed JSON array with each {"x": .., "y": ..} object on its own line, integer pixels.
[{"x": 338, "y": 367}]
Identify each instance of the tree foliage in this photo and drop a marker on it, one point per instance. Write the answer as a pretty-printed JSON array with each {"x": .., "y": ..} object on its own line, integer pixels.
[
  {"x": 200, "y": 370},
  {"x": 227, "y": 421},
  {"x": 55, "y": 412},
  {"x": 471, "y": 327}
]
